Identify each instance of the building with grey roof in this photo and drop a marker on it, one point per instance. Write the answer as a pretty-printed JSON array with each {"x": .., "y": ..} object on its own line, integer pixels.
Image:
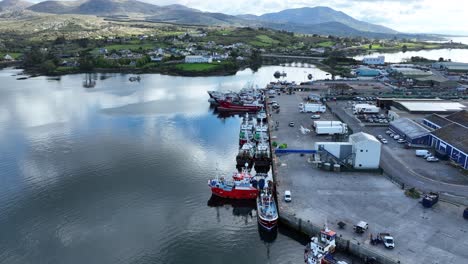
[
  {"x": 436, "y": 121},
  {"x": 459, "y": 117},
  {"x": 452, "y": 140},
  {"x": 411, "y": 131}
]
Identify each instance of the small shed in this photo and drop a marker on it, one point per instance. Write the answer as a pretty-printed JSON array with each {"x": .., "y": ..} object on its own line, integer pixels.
[{"x": 411, "y": 131}]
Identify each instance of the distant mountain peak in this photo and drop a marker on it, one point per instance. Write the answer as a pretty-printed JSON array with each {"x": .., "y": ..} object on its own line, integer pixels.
[
  {"x": 322, "y": 14},
  {"x": 14, "y": 5}
]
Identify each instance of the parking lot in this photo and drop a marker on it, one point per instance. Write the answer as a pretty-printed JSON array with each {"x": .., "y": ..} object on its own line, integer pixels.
[
  {"x": 402, "y": 164},
  {"x": 437, "y": 235}
]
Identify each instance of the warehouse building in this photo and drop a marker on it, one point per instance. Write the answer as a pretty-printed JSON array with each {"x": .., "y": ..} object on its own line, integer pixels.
[
  {"x": 366, "y": 150},
  {"x": 436, "y": 121},
  {"x": 362, "y": 152},
  {"x": 411, "y": 131},
  {"x": 459, "y": 117},
  {"x": 454, "y": 67},
  {"x": 450, "y": 136},
  {"x": 452, "y": 140}
]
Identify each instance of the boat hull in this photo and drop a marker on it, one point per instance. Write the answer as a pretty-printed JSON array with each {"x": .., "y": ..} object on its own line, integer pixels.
[
  {"x": 235, "y": 193},
  {"x": 227, "y": 106},
  {"x": 268, "y": 224}
]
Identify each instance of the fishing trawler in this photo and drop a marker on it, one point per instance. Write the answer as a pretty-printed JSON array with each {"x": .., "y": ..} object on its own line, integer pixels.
[
  {"x": 241, "y": 186},
  {"x": 242, "y": 106},
  {"x": 246, "y": 131},
  {"x": 261, "y": 132},
  {"x": 246, "y": 155},
  {"x": 267, "y": 212},
  {"x": 319, "y": 250},
  {"x": 262, "y": 158},
  {"x": 261, "y": 115}
]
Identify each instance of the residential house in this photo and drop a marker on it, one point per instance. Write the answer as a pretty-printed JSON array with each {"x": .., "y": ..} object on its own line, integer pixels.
[
  {"x": 198, "y": 59},
  {"x": 7, "y": 57}
]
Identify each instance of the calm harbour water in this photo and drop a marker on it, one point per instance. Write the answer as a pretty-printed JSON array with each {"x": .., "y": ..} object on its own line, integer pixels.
[
  {"x": 456, "y": 55},
  {"x": 118, "y": 173}
]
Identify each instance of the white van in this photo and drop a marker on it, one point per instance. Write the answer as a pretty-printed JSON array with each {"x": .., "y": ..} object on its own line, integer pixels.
[
  {"x": 422, "y": 152},
  {"x": 287, "y": 196}
]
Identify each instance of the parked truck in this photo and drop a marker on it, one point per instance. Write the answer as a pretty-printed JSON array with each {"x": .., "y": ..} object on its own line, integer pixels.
[
  {"x": 326, "y": 123},
  {"x": 430, "y": 199},
  {"x": 331, "y": 130},
  {"x": 366, "y": 109},
  {"x": 312, "y": 108},
  {"x": 384, "y": 238},
  {"x": 387, "y": 240}
]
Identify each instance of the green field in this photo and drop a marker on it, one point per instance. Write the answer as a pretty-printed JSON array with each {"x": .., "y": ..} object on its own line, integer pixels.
[
  {"x": 144, "y": 46},
  {"x": 197, "y": 67},
  {"x": 15, "y": 55},
  {"x": 264, "y": 41},
  {"x": 326, "y": 44}
]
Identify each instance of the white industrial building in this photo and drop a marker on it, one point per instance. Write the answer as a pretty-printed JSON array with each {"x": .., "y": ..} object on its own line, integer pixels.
[
  {"x": 380, "y": 60},
  {"x": 198, "y": 59},
  {"x": 366, "y": 150},
  {"x": 362, "y": 151}
]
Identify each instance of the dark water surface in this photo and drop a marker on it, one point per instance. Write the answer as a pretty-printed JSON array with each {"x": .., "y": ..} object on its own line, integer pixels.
[{"x": 118, "y": 173}]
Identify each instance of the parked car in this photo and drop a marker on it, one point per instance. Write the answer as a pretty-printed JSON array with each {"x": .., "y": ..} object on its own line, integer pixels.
[
  {"x": 432, "y": 159},
  {"x": 396, "y": 137},
  {"x": 401, "y": 141},
  {"x": 379, "y": 136},
  {"x": 315, "y": 116},
  {"x": 388, "y": 132},
  {"x": 291, "y": 124},
  {"x": 392, "y": 135},
  {"x": 361, "y": 227},
  {"x": 287, "y": 196},
  {"x": 384, "y": 141},
  {"x": 422, "y": 152}
]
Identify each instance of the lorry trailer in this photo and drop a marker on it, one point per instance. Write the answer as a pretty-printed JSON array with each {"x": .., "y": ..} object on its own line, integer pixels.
[
  {"x": 312, "y": 108},
  {"x": 331, "y": 130}
]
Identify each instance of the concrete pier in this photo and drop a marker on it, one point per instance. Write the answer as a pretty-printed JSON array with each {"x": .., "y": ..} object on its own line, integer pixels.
[{"x": 436, "y": 235}]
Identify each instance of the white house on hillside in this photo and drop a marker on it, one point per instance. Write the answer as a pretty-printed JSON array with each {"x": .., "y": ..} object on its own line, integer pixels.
[
  {"x": 7, "y": 57},
  {"x": 198, "y": 59}
]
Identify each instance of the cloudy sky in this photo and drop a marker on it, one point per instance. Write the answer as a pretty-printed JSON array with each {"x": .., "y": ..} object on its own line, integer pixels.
[{"x": 415, "y": 16}]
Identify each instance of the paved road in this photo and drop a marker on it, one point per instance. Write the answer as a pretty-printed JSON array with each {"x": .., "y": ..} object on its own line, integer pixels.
[{"x": 397, "y": 168}]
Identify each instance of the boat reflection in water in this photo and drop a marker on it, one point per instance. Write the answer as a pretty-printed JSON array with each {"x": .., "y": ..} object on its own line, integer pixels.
[
  {"x": 90, "y": 80},
  {"x": 239, "y": 207},
  {"x": 268, "y": 236}
]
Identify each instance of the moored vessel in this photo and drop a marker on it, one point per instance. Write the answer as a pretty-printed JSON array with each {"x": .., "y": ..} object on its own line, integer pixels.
[
  {"x": 319, "y": 250},
  {"x": 246, "y": 155},
  {"x": 267, "y": 212},
  {"x": 244, "y": 106},
  {"x": 261, "y": 115},
  {"x": 262, "y": 158},
  {"x": 241, "y": 186},
  {"x": 246, "y": 131}
]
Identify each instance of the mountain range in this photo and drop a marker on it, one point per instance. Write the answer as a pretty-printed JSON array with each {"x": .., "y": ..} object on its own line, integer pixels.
[{"x": 316, "y": 20}]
